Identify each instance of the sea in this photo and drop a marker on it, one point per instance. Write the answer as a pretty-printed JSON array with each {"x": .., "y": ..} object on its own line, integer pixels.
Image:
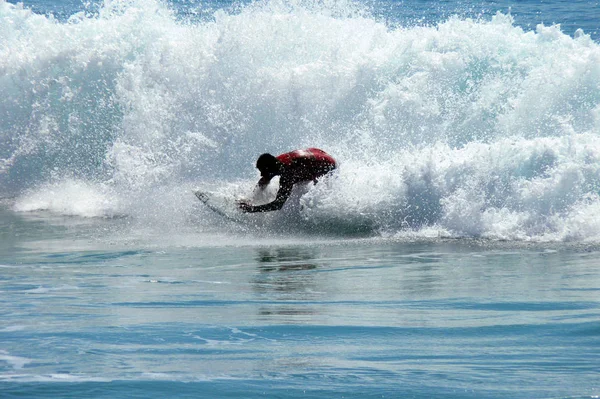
[{"x": 454, "y": 252}]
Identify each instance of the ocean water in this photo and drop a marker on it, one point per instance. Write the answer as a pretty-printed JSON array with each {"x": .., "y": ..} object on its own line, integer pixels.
[{"x": 453, "y": 254}]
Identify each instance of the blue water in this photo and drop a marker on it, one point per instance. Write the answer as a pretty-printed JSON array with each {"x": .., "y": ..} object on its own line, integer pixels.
[
  {"x": 452, "y": 255},
  {"x": 349, "y": 318}
]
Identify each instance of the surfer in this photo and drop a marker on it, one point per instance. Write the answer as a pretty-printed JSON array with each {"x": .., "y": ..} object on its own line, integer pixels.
[{"x": 293, "y": 167}]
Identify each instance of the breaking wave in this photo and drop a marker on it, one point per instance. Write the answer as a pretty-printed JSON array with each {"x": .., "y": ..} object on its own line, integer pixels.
[{"x": 467, "y": 128}]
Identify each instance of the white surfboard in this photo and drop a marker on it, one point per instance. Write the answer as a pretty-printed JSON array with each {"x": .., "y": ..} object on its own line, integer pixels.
[
  {"x": 225, "y": 204},
  {"x": 220, "y": 204}
]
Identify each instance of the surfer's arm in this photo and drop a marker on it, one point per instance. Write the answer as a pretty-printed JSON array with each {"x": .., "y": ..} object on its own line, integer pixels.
[{"x": 282, "y": 196}]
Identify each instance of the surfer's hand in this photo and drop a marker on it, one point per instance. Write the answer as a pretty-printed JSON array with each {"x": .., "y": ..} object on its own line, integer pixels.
[{"x": 244, "y": 206}]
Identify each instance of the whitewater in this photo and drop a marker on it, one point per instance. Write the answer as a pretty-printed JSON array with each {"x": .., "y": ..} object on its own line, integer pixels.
[{"x": 466, "y": 128}]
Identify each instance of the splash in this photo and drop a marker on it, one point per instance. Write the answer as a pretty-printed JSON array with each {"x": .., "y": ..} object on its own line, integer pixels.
[
  {"x": 69, "y": 197},
  {"x": 468, "y": 128}
]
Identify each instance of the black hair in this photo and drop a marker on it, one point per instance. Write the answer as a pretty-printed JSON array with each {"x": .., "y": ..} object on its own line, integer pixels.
[{"x": 266, "y": 161}]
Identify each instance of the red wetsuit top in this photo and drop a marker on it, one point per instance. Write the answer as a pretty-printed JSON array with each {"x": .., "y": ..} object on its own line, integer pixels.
[{"x": 307, "y": 165}]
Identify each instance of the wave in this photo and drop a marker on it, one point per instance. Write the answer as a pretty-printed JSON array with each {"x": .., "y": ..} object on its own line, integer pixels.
[{"x": 467, "y": 128}]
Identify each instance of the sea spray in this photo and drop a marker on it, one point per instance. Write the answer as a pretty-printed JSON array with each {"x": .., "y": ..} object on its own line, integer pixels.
[{"x": 467, "y": 128}]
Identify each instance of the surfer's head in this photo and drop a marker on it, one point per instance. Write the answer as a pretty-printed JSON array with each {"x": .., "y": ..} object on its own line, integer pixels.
[{"x": 268, "y": 165}]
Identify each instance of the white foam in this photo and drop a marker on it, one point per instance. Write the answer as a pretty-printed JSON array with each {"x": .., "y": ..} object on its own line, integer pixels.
[
  {"x": 511, "y": 189},
  {"x": 45, "y": 290},
  {"x": 12, "y": 328},
  {"x": 69, "y": 197},
  {"x": 467, "y": 128},
  {"x": 16, "y": 362}
]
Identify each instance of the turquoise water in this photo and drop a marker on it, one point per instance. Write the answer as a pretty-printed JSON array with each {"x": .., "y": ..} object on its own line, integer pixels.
[
  {"x": 454, "y": 254},
  {"x": 87, "y": 315}
]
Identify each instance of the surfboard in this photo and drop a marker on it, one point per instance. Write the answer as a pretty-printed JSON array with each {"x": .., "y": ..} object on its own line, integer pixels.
[
  {"x": 220, "y": 204},
  {"x": 225, "y": 203}
]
